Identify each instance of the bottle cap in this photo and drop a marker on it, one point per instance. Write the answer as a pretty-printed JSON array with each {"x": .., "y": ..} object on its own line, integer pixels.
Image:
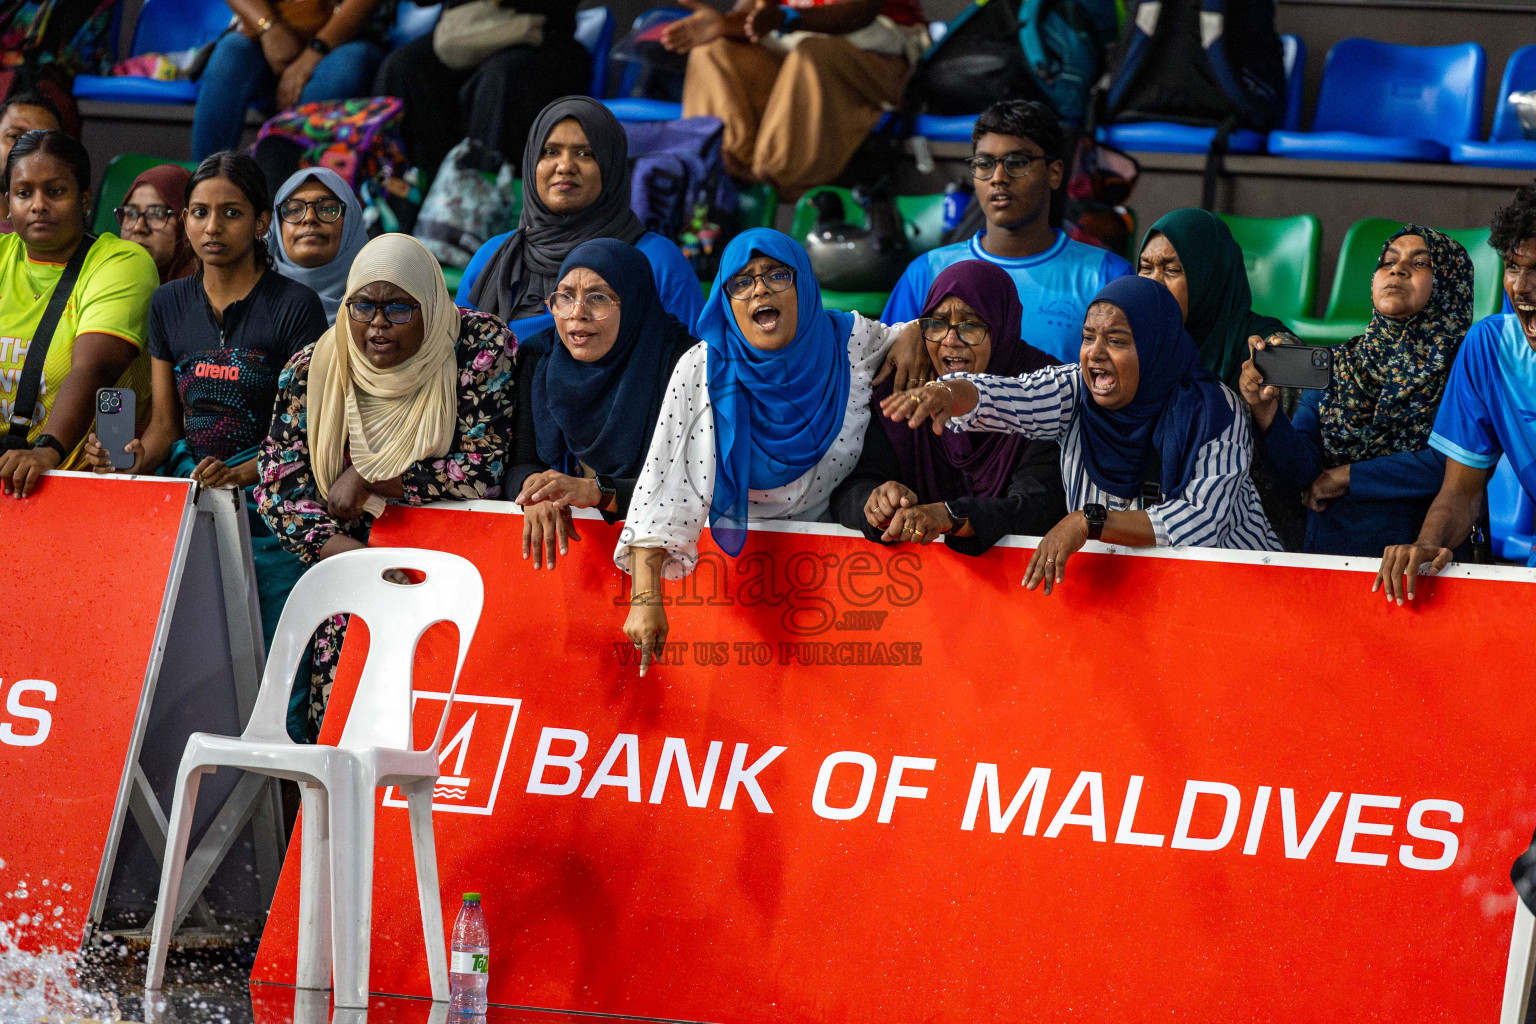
[{"x": 471, "y": 897}]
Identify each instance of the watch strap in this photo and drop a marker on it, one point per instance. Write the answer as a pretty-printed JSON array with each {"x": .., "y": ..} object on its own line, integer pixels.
[
  {"x": 320, "y": 46},
  {"x": 957, "y": 518},
  {"x": 1095, "y": 515},
  {"x": 49, "y": 441}
]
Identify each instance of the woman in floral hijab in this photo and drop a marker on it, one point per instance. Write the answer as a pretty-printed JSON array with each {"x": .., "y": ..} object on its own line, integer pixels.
[{"x": 1358, "y": 453}]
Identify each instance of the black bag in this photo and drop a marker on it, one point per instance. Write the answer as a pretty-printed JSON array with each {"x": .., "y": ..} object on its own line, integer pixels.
[
  {"x": 849, "y": 258},
  {"x": 30, "y": 384}
]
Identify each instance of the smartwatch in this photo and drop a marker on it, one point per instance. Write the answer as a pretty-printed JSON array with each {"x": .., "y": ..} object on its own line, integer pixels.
[
  {"x": 49, "y": 441},
  {"x": 791, "y": 19},
  {"x": 607, "y": 494},
  {"x": 957, "y": 519},
  {"x": 1096, "y": 515},
  {"x": 320, "y": 46}
]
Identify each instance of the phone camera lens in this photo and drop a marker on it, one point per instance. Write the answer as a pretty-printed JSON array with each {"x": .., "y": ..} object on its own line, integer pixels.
[{"x": 1318, "y": 359}]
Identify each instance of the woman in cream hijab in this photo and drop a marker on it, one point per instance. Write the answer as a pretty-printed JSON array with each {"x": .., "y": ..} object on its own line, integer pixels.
[{"x": 405, "y": 399}]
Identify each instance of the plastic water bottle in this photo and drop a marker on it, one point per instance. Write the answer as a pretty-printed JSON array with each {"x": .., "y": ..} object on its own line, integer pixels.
[
  {"x": 956, "y": 200},
  {"x": 469, "y": 964}
]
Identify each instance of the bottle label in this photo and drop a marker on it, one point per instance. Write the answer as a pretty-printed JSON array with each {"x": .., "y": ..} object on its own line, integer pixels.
[{"x": 470, "y": 963}]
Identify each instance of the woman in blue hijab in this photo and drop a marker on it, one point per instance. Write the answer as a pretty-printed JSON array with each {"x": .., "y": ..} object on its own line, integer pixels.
[
  {"x": 589, "y": 391},
  {"x": 317, "y": 231},
  {"x": 1154, "y": 450},
  {"x": 762, "y": 421}
]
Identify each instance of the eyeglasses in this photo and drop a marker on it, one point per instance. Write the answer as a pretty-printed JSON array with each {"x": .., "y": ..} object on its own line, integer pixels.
[
  {"x": 328, "y": 210},
  {"x": 972, "y": 332},
  {"x": 1015, "y": 165},
  {"x": 599, "y": 305},
  {"x": 128, "y": 216},
  {"x": 779, "y": 279},
  {"x": 394, "y": 312}
]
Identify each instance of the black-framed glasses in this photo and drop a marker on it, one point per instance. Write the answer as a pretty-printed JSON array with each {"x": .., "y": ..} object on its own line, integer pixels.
[
  {"x": 394, "y": 312},
  {"x": 972, "y": 332},
  {"x": 779, "y": 279},
  {"x": 328, "y": 210},
  {"x": 599, "y": 305},
  {"x": 1015, "y": 165},
  {"x": 157, "y": 216}
]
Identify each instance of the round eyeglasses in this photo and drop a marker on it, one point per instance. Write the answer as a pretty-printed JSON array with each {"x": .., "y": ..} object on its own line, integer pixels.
[
  {"x": 156, "y": 216},
  {"x": 394, "y": 312},
  {"x": 972, "y": 332},
  {"x": 599, "y": 305},
  {"x": 295, "y": 210}
]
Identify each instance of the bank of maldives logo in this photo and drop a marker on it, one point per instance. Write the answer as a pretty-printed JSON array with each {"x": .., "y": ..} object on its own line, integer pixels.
[{"x": 474, "y": 752}]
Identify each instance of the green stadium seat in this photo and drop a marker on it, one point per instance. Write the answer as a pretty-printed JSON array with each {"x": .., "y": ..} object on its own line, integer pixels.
[
  {"x": 1281, "y": 255},
  {"x": 114, "y": 186},
  {"x": 1487, "y": 268},
  {"x": 759, "y": 204},
  {"x": 1349, "y": 303}
]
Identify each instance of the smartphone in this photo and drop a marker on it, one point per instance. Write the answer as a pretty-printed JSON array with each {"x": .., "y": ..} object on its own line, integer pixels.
[
  {"x": 116, "y": 410},
  {"x": 1295, "y": 366}
]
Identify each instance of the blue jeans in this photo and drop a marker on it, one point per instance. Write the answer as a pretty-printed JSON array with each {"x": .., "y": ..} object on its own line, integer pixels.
[{"x": 237, "y": 78}]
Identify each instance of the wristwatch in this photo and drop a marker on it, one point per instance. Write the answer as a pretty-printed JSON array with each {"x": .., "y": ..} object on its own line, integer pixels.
[
  {"x": 957, "y": 519},
  {"x": 607, "y": 494},
  {"x": 1096, "y": 515},
  {"x": 320, "y": 46},
  {"x": 49, "y": 441}
]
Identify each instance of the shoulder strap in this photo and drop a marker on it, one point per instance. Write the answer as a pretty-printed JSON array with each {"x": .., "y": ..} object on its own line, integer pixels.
[
  {"x": 31, "y": 381},
  {"x": 1152, "y": 481}
]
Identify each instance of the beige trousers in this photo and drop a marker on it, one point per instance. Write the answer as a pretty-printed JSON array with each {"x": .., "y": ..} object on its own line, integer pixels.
[{"x": 792, "y": 120}]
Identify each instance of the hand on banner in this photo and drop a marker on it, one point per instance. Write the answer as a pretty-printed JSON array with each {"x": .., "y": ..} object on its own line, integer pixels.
[
  {"x": 885, "y": 500},
  {"x": 99, "y": 461},
  {"x": 547, "y": 530},
  {"x": 907, "y": 362},
  {"x": 1403, "y": 564},
  {"x": 21, "y": 471},
  {"x": 1048, "y": 564},
  {"x": 646, "y": 627},
  {"x": 560, "y": 489},
  {"x": 922, "y": 524},
  {"x": 703, "y": 25}
]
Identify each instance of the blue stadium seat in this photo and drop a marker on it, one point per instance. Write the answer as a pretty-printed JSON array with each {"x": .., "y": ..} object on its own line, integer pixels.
[
  {"x": 412, "y": 21},
  {"x": 1170, "y": 137},
  {"x": 1507, "y": 145},
  {"x": 945, "y": 129},
  {"x": 1512, "y": 514},
  {"x": 164, "y": 26},
  {"x": 594, "y": 30},
  {"x": 630, "y": 109},
  {"x": 1383, "y": 102}
]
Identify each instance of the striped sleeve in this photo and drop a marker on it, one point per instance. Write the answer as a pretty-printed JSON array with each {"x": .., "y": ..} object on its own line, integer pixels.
[
  {"x": 1212, "y": 503},
  {"x": 1038, "y": 405}
]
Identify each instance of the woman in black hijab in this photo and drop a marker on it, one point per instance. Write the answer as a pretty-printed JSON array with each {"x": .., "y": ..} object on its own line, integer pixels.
[
  {"x": 575, "y": 188},
  {"x": 589, "y": 391}
]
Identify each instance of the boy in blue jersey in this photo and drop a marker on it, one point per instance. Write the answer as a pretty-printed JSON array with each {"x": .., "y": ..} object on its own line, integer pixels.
[
  {"x": 1015, "y": 166},
  {"x": 1489, "y": 409}
]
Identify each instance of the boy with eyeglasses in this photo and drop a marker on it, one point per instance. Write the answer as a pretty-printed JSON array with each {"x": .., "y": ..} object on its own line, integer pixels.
[{"x": 1015, "y": 166}]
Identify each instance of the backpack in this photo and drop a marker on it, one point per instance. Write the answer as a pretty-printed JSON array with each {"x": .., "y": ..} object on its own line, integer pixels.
[
  {"x": 358, "y": 139},
  {"x": 1099, "y": 183},
  {"x": 1051, "y": 51},
  {"x": 471, "y": 201},
  {"x": 1201, "y": 62},
  {"x": 679, "y": 188}
]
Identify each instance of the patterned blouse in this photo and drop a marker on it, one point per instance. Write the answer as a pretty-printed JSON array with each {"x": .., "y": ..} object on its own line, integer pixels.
[{"x": 286, "y": 493}]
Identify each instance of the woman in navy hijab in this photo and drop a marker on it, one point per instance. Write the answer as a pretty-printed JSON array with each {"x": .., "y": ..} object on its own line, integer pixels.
[{"x": 1154, "y": 449}]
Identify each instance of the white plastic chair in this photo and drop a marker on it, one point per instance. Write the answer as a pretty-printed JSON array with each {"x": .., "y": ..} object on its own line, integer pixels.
[
  {"x": 338, "y": 783},
  {"x": 1521, "y": 966}
]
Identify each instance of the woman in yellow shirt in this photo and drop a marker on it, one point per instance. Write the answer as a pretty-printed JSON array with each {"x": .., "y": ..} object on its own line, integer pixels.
[{"x": 103, "y": 328}]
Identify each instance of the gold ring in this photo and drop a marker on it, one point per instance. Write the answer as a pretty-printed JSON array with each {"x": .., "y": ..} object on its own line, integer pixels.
[{"x": 918, "y": 534}]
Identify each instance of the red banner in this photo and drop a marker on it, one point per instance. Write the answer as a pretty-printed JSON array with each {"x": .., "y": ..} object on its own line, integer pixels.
[
  {"x": 86, "y": 564},
  {"x": 872, "y": 784}
]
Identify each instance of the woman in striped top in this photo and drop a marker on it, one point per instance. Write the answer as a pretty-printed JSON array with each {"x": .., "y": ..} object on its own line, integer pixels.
[{"x": 1157, "y": 454}]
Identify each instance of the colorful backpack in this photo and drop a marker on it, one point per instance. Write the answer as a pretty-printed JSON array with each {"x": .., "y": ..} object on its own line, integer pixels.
[
  {"x": 358, "y": 139},
  {"x": 679, "y": 188}
]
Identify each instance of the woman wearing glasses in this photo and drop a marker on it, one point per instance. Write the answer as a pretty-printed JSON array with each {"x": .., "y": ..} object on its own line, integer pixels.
[
  {"x": 912, "y": 487},
  {"x": 317, "y": 232},
  {"x": 589, "y": 391},
  {"x": 151, "y": 215},
  {"x": 406, "y": 398},
  {"x": 217, "y": 342},
  {"x": 762, "y": 421}
]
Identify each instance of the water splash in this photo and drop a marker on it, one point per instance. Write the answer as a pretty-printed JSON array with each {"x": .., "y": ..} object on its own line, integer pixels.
[{"x": 43, "y": 988}]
